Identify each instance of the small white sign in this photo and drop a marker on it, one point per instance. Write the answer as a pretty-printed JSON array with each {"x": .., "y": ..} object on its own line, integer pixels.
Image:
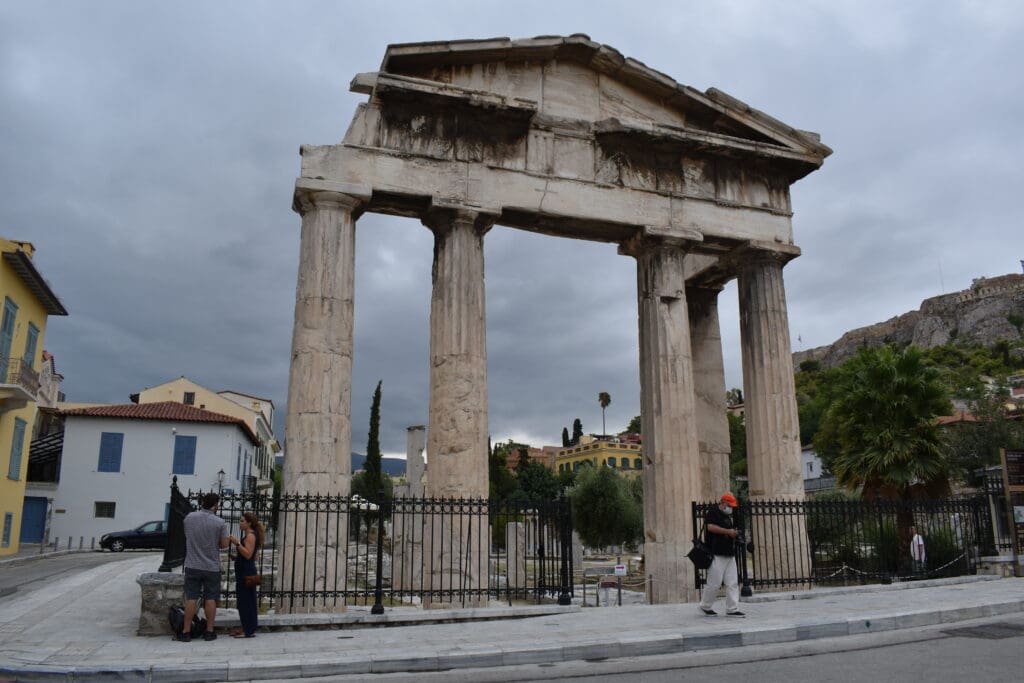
[{"x": 620, "y": 570}]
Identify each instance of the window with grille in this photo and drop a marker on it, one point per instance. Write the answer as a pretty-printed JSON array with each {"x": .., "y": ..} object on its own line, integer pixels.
[{"x": 105, "y": 509}]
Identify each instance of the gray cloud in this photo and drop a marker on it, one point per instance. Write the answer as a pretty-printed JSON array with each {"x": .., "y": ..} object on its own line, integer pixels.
[{"x": 149, "y": 152}]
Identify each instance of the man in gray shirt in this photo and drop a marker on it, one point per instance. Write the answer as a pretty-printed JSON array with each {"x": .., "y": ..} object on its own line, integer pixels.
[{"x": 206, "y": 535}]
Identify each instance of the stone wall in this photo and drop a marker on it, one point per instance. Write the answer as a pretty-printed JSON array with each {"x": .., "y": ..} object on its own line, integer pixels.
[
  {"x": 977, "y": 315},
  {"x": 160, "y": 591}
]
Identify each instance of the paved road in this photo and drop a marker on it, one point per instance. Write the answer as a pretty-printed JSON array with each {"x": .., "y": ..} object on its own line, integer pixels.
[
  {"x": 982, "y": 649},
  {"x": 35, "y": 574}
]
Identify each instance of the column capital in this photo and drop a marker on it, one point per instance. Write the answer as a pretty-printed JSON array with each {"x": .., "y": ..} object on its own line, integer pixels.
[
  {"x": 755, "y": 253},
  {"x": 649, "y": 238},
  {"x": 442, "y": 216},
  {"x": 310, "y": 193}
]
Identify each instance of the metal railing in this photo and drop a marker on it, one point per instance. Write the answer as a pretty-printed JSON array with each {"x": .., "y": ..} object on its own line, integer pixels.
[
  {"x": 321, "y": 552},
  {"x": 997, "y": 529},
  {"x": 16, "y": 371},
  {"x": 801, "y": 543}
]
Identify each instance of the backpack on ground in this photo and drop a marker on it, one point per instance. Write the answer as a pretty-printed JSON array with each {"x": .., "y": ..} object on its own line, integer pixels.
[{"x": 176, "y": 618}]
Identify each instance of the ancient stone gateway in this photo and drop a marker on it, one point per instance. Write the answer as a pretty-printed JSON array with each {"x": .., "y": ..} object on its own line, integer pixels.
[{"x": 566, "y": 137}]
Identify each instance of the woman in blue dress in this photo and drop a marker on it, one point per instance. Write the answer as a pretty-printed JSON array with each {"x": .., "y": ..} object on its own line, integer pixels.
[{"x": 245, "y": 565}]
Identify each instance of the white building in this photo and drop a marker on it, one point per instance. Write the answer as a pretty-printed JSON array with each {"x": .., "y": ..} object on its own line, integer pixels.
[
  {"x": 118, "y": 462},
  {"x": 814, "y": 478}
]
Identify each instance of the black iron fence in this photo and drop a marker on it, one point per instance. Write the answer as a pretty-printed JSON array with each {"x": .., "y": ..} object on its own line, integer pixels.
[
  {"x": 998, "y": 529},
  {"x": 793, "y": 544},
  {"x": 322, "y": 552}
]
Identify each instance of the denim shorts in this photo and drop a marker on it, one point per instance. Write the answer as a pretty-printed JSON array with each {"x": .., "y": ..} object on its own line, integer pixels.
[{"x": 199, "y": 583}]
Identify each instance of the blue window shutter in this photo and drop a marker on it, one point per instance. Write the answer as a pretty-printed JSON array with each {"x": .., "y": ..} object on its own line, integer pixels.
[
  {"x": 17, "y": 443},
  {"x": 184, "y": 455},
  {"x": 31, "y": 341},
  {"x": 8, "y": 523},
  {"x": 7, "y": 327},
  {"x": 111, "y": 444}
]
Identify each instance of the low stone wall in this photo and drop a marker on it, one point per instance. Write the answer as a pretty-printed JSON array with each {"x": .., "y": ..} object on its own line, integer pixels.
[
  {"x": 996, "y": 565},
  {"x": 160, "y": 591}
]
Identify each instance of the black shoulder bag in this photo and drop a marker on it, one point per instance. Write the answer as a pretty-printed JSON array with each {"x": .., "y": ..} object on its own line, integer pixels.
[{"x": 700, "y": 554}]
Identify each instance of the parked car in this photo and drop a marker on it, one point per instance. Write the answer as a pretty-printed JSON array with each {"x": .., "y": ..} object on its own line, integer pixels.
[{"x": 151, "y": 535}]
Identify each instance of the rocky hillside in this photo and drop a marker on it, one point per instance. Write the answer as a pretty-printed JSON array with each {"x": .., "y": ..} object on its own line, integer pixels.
[{"x": 992, "y": 309}]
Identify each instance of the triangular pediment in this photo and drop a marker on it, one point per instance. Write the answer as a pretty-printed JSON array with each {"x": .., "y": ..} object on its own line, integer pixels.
[{"x": 576, "y": 79}]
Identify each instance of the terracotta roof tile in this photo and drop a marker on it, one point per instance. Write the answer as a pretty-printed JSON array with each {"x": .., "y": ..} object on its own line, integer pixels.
[{"x": 168, "y": 411}]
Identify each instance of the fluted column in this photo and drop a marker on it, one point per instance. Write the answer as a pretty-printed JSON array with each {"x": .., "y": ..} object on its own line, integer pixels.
[
  {"x": 774, "y": 466},
  {"x": 671, "y": 455},
  {"x": 773, "y": 427},
  {"x": 318, "y": 423},
  {"x": 457, "y": 414},
  {"x": 709, "y": 391}
]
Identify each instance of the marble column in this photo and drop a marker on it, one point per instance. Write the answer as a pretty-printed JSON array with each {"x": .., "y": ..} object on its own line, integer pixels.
[
  {"x": 408, "y": 526},
  {"x": 415, "y": 442},
  {"x": 457, "y": 414},
  {"x": 317, "y": 424},
  {"x": 773, "y": 429},
  {"x": 671, "y": 455},
  {"x": 709, "y": 391}
]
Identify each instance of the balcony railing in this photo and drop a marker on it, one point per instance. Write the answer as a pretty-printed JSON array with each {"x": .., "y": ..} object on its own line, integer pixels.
[{"x": 17, "y": 372}]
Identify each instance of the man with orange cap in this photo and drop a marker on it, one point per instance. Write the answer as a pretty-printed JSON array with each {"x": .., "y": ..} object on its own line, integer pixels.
[{"x": 721, "y": 537}]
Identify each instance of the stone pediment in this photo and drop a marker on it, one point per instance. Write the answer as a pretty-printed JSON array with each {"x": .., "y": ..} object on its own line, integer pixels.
[
  {"x": 574, "y": 82},
  {"x": 564, "y": 136}
]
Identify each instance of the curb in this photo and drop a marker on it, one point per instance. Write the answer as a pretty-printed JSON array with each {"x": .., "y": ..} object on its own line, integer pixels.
[
  {"x": 496, "y": 656},
  {"x": 869, "y": 588}
]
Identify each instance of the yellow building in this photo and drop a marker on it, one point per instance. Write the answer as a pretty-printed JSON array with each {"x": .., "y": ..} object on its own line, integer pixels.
[
  {"x": 624, "y": 456},
  {"x": 27, "y": 301}
]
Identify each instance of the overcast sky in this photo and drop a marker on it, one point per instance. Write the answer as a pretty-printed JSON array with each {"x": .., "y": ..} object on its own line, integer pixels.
[{"x": 149, "y": 151}]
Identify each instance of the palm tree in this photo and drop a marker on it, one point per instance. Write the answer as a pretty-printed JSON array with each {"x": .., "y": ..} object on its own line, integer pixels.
[
  {"x": 605, "y": 399},
  {"x": 880, "y": 430}
]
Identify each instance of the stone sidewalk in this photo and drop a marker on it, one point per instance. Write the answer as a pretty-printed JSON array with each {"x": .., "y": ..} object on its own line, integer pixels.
[{"x": 83, "y": 628}]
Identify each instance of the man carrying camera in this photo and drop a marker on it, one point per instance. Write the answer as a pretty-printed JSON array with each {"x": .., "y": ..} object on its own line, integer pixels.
[{"x": 722, "y": 537}]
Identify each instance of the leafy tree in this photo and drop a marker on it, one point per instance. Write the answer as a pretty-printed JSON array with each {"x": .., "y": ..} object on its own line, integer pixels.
[
  {"x": 879, "y": 430},
  {"x": 634, "y": 425},
  {"x": 577, "y": 432},
  {"x": 535, "y": 482},
  {"x": 737, "y": 445},
  {"x": 605, "y": 511},
  {"x": 370, "y": 482},
  {"x": 734, "y": 397},
  {"x": 372, "y": 466},
  {"x": 604, "y": 399},
  {"x": 975, "y": 445},
  {"x": 565, "y": 437},
  {"x": 814, "y": 391},
  {"x": 501, "y": 483},
  {"x": 1001, "y": 350}
]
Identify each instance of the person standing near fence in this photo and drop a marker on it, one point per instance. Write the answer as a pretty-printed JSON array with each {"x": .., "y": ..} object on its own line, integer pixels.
[
  {"x": 721, "y": 537},
  {"x": 917, "y": 550},
  {"x": 206, "y": 535},
  {"x": 245, "y": 566}
]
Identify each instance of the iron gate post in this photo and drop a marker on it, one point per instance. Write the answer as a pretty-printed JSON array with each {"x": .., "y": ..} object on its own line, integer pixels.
[
  {"x": 565, "y": 513},
  {"x": 378, "y": 593}
]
